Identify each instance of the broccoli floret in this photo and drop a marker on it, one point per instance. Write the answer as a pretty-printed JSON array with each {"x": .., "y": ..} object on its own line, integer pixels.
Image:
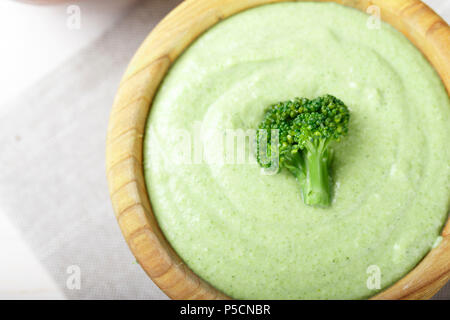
[{"x": 305, "y": 130}]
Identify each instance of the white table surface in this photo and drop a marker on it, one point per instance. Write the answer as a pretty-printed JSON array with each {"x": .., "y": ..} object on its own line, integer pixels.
[{"x": 38, "y": 37}]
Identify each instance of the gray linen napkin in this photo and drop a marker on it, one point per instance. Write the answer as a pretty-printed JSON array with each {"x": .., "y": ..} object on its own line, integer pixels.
[{"x": 52, "y": 182}]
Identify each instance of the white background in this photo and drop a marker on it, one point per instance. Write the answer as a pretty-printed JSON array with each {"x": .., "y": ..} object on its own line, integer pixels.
[{"x": 34, "y": 41}]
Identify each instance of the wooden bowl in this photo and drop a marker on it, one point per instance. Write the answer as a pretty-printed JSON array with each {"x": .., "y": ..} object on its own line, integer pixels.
[{"x": 125, "y": 173}]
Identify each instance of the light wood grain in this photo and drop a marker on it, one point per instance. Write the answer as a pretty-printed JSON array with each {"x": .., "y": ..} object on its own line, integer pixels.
[{"x": 132, "y": 103}]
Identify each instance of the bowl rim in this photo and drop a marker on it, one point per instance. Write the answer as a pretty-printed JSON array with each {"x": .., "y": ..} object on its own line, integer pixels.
[{"x": 124, "y": 144}]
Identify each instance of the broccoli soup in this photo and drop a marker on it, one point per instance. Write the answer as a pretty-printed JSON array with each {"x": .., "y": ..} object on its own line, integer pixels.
[{"x": 247, "y": 230}]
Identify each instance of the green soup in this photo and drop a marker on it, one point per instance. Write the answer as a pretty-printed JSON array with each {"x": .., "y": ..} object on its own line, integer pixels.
[{"x": 250, "y": 235}]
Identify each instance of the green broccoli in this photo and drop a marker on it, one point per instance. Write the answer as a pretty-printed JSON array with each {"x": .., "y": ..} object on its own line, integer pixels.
[{"x": 305, "y": 130}]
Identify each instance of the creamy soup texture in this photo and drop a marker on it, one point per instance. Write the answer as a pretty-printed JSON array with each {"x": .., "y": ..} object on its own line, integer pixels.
[{"x": 250, "y": 235}]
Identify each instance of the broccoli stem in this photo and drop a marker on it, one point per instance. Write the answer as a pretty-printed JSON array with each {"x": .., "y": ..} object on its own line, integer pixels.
[
  {"x": 316, "y": 188},
  {"x": 310, "y": 167}
]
